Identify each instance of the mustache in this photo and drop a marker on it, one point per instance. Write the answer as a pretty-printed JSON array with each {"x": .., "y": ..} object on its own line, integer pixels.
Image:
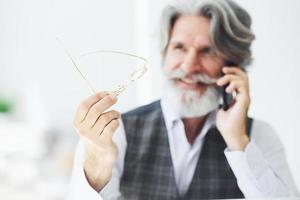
[{"x": 180, "y": 74}]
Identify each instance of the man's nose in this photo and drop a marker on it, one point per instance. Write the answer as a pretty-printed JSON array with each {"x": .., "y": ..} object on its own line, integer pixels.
[{"x": 192, "y": 62}]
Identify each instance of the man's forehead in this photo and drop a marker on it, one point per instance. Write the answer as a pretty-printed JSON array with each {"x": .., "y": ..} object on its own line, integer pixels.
[{"x": 192, "y": 30}]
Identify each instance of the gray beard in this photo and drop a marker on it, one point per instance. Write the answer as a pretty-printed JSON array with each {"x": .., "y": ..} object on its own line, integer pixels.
[{"x": 189, "y": 103}]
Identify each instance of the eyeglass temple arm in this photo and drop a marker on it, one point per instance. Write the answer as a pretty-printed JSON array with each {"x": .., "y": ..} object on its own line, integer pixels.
[{"x": 75, "y": 65}]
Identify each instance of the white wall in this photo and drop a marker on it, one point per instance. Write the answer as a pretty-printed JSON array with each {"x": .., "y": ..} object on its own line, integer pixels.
[
  {"x": 274, "y": 76},
  {"x": 36, "y": 73},
  {"x": 30, "y": 55}
]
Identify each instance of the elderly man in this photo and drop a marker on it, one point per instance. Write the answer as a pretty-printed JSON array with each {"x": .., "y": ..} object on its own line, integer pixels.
[{"x": 185, "y": 146}]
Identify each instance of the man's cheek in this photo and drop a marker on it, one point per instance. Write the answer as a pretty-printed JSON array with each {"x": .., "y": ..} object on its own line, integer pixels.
[{"x": 172, "y": 64}]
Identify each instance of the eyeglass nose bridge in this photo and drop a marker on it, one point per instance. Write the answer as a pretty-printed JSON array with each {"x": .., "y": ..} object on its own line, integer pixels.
[{"x": 133, "y": 77}]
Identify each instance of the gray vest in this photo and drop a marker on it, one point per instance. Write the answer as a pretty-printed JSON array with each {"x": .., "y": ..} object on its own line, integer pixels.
[{"x": 148, "y": 169}]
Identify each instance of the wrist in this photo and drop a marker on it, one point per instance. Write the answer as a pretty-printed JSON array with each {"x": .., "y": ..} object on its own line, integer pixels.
[
  {"x": 95, "y": 177},
  {"x": 97, "y": 169},
  {"x": 238, "y": 143}
]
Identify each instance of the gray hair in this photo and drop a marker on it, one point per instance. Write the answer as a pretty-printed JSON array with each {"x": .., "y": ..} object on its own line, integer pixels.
[{"x": 230, "y": 33}]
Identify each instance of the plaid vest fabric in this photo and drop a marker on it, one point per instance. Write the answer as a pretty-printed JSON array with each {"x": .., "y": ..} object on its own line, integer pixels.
[{"x": 148, "y": 170}]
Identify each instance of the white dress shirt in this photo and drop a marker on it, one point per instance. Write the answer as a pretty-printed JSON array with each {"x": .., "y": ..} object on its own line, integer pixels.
[{"x": 261, "y": 169}]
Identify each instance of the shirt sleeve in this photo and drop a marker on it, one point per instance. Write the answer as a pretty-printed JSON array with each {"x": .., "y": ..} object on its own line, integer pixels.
[
  {"x": 80, "y": 189},
  {"x": 261, "y": 169}
]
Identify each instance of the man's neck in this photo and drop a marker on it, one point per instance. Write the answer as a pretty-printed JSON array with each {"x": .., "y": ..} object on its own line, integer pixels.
[{"x": 193, "y": 127}]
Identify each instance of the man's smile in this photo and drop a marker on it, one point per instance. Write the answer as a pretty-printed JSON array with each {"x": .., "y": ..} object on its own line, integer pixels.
[{"x": 188, "y": 83}]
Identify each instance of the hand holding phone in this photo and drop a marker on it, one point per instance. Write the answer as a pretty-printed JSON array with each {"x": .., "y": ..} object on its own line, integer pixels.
[{"x": 231, "y": 118}]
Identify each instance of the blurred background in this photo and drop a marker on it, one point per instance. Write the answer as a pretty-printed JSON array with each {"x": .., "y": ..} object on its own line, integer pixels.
[{"x": 40, "y": 90}]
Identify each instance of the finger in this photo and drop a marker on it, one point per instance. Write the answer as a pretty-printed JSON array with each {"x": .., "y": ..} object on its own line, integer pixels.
[
  {"x": 110, "y": 129},
  {"x": 104, "y": 137},
  {"x": 237, "y": 85},
  {"x": 85, "y": 106},
  {"x": 226, "y": 79},
  {"x": 234, "y": 70},
  {"x": 104, "y": 120},
  {"x": 98, "y": 108}
]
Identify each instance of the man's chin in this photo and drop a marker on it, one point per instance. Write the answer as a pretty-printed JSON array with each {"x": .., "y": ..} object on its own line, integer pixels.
[{"x": 192, "y": 103}]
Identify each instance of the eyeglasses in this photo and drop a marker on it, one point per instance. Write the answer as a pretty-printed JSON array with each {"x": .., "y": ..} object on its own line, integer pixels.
[{"x": 134, "y": 76}]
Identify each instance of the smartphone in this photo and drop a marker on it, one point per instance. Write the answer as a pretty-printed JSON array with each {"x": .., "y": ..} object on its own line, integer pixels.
[{"x": 226, "y": 98}]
